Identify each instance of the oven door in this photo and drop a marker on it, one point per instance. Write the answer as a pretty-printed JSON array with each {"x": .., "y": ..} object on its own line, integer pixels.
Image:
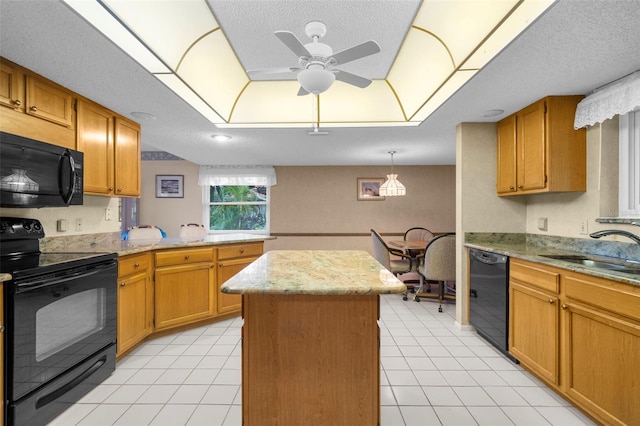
[{"x": 56, "y": 321}]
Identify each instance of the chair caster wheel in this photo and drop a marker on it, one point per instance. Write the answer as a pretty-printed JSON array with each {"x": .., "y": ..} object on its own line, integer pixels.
[
  {"x": 439, "y": 308},
  {"x": 405, "y": 298},
  {"x": 417, "y": 299}
]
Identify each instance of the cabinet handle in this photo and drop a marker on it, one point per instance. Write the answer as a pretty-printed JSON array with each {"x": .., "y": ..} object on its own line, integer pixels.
[
  {"x": 17, "y": 102},
  {"x": 119, "y": 190},
  {"x": 512, "y": 188},
  {"x": 122, "y": 284},
  {"x": 1, "y": 328},
  {"x": 564, "y": 307},
  {"x": 241, "y": 249},
  {"x": 33, "y": 108},
  {"x": 186, "y": 257},
  {"x": 220, "y": 265},
  {"x": 519, "y": 186},
  {"x": 551, "y": 301},
  {"x": 136, "y": 265}
]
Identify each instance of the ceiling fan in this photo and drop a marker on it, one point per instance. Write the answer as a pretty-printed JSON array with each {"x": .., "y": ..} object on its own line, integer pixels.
[{"x": 317, "y": 62}]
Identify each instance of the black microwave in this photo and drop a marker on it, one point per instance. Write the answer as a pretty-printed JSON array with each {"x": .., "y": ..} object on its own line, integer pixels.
[{"x": 37, "y": 174}]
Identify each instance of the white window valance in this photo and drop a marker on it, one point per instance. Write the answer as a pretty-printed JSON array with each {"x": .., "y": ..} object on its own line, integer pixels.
[
  {"x": 616, "y": 98},
  {"x": 237, "y": 175}
]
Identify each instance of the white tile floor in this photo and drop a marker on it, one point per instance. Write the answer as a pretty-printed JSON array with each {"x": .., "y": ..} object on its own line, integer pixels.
[{"x": 431, "y": 372}]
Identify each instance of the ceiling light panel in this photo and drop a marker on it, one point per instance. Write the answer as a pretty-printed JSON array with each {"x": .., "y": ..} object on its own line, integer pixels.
[{"x": 168, "y": 28}]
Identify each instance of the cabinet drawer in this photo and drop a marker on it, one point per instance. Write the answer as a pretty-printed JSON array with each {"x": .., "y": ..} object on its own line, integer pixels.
[
  {"x": 537, "y": 276},
  {"x": 620, "y": 298},
  {"x": 128, "y": 265},
  {"x": 239, "y": 250},
  {"x": 182, "y": 257}
]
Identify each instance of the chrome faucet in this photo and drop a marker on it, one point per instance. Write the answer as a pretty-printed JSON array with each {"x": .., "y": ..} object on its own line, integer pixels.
[{"x": 606, "y": 232}]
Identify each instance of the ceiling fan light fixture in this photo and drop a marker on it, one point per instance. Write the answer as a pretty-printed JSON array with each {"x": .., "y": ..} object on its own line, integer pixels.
[
  {"x": 315, "y": 80},
  {"x": 392, "y": 187}
]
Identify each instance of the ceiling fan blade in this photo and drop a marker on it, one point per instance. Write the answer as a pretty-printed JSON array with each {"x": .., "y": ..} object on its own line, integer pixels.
[
  {"x": 302, "y": 92},
  {"x": 356, "y": 52},
  {"x": 293, "y": 43},
  {"x": 267, "y": 71},
  {"x": 352, "y": 79}
]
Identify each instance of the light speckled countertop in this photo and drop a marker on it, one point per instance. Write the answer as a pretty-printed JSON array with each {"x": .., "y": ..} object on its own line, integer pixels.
[
  {"x": 111, "y": 245},
  {"x": 317, "y": 272},
  {"x": 535, "y": 250}
]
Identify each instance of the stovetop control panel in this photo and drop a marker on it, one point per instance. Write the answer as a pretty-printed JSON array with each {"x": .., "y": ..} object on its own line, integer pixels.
[{"x": 18, "y": 228}]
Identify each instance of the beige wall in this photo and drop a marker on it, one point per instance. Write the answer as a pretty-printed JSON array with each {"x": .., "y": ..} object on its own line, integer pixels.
[
  {"x": 92, "y": 213},
  {"x": 323, "y": 200},
  {"x": 170, "y": 213},
  {"x": 318, "y": 200}
]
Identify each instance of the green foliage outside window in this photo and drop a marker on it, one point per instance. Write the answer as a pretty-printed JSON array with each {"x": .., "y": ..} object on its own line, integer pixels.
[{"x": 237, "y": 208}]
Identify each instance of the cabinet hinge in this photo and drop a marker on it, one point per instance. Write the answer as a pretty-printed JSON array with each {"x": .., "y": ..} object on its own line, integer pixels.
[
  {"x": 545, "y": 178},
  {"x": 545, "y": 107}
]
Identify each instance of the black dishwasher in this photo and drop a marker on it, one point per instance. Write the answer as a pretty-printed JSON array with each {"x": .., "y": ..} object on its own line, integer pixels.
[{"x": 489, "y": 306}]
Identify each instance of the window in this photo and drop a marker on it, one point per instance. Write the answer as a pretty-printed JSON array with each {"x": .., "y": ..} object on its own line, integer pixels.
[
  {"x": 629, "y": 164},
  {"x": 237, "y": 208}
]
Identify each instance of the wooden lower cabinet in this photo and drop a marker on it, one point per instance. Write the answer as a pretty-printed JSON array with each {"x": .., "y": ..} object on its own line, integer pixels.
[
  {"x": 185, "y": 288},
  {"x": 583, "y": 340},
  {"x": 602, "y": 348},
  {"x": 135, "y": 300},
  {"x": 310, "y": 360},
  {"x": 231, "y": 260}
]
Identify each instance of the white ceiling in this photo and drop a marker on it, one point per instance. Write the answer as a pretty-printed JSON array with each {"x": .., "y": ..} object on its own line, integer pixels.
[{"x": 575, "y": 47}]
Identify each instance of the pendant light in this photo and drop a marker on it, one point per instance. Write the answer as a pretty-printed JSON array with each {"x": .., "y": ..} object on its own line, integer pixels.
[{"x": 392, "y": 186}]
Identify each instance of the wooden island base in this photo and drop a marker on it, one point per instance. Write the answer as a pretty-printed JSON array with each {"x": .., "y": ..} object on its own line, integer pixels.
[{"x": 310, "y": 360}]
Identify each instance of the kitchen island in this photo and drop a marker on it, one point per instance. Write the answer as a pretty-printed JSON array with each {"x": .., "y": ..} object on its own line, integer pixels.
[{"x": 310, "y": 340}]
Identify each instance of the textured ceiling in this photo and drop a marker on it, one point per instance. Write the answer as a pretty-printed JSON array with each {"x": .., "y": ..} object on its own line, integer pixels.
[
  {"x": 249, "y": 27},
  {"x": 575, "y": 47}
]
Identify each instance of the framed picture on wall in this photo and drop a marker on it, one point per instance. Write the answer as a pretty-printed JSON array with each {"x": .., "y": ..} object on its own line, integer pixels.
[
  {"x": 369, "y": 189},
  {"x": 169, "y": 186}
]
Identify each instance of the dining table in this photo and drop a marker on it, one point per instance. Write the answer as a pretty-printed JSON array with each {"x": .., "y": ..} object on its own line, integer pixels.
[{"x": 407, "y": 245}]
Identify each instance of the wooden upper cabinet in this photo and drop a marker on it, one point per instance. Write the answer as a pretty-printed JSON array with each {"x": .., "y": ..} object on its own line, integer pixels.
[
  {"x": 506, "y": 177},
  {"x": 49, "y": 101},
  {"x": 34, "y": 107},
  {"x": 111, "y": 146},
  {"x": 539, "y": 151},
  {"x": 11, "y": 87},
  {"x": 95, "y": 139},
  {"x": 127, "y": 158}
]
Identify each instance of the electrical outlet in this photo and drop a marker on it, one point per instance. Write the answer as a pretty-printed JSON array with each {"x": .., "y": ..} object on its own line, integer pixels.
[
  {"x": 107, "y": 214},
  {"x": 542, "y": 223},
  {"x": 584, "y": 226},
  {"x": 63, "y": 225},
  {"x": 79, "y": 224}
]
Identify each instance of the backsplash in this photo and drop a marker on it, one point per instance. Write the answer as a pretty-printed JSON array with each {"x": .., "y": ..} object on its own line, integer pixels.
[{"x": 583, "y": 245}]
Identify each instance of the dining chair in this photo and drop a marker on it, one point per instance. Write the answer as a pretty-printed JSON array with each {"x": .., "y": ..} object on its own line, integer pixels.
[
  {"x": 417, "y": 234},
  {"x": 401, "y": 263},
  {"x": 439, "y": 266}
]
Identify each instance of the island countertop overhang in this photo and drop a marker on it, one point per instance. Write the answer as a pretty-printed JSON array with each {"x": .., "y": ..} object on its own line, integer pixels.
[{"x": 314, "y": 272}]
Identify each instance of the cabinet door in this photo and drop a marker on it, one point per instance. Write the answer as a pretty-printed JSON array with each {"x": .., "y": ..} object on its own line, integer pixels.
[
  {"x": 95, "y": 139},
  {"x": 531, "y": 164},
  {"x": 49, "y": 102},
  {"x": 127, "y": 158},
  {"x": 184, "y": 294},
  {"x": 506, "y": 161},
  {"x": 226, "y": 270},
  {"x": 603, "y": 363},
  {"x": 135, "y": 319},
  {"x": 533, "y": 330},
  {"x": 11, "y": 87}
]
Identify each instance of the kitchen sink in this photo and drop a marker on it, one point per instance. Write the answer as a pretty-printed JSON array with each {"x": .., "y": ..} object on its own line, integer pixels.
[{"x": 596, "y": 263}]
